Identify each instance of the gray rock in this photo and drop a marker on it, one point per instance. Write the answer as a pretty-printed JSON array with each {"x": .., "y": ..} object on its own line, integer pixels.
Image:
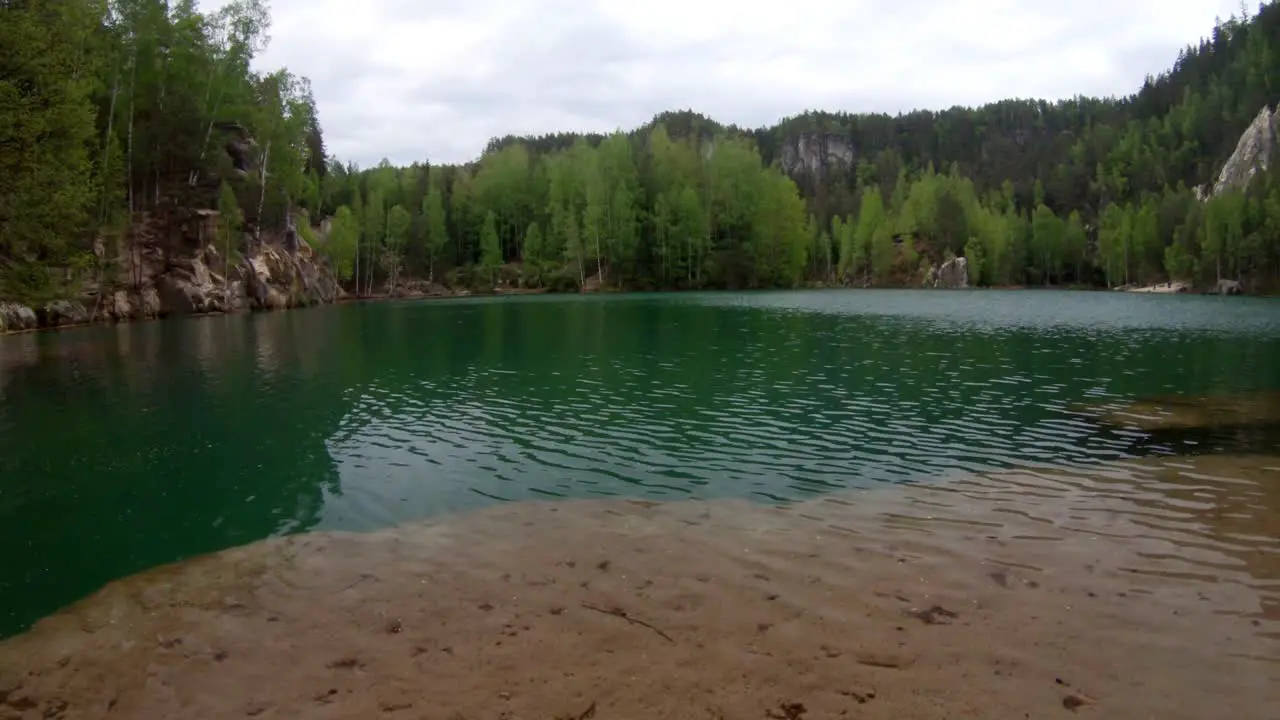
[
  {"x": 62, "y": 312},
  {"x": 117, "y": 306},
  {"x": 1251, "y": 155},
  {"x": 815, "y": 153},
  {"x": 191, "y": 288},
  {"x": 1228, "y": 287},
  {"x": 148, "y": 305},
  {"x": 15, "y": 317},
  {"x": 952, "y": 274}
]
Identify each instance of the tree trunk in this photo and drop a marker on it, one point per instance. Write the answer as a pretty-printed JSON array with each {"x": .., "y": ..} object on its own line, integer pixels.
[
  {"x": 133, "y": 74},
  {"x": 194, "y": 175},
  {"x": 599, "y": 266},
  {"x": 106, "y": 146},
  {"x": 262, "y": 178},
  {"x": 226, "y": 269}
]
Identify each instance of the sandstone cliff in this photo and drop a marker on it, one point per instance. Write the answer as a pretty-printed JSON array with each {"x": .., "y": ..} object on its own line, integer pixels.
[
  {"x": 1252, "y": 154},
  {"x": 155, "y": 281},
  {"x": 815, "y": 154},
  {"x": 952, "y": 275}
]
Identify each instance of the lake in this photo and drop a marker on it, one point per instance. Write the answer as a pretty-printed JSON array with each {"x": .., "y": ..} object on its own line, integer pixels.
[{"x": 122, "y": 448}]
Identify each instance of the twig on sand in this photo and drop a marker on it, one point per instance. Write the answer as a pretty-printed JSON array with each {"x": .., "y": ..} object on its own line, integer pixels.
[{"x": 619, "y": 612}]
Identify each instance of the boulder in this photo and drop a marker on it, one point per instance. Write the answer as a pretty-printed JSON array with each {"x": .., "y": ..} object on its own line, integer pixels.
[
  {"x": 15, "y": 317},
  {"x": 117, "y": 306},
  {"x": 148, "y": 305},
  {"x": 190, "y": 288},
  {"x": 62, "y": 312},
  {"x": 181, "y": 295},
  {"x": 1227, "y": 287},
  {"x": 278, "y": 279},
  {"x": 952, "y": 274}
]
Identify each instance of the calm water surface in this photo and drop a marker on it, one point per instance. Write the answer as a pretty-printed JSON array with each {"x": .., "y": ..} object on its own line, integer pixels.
[{"x": 124, "y": 447}]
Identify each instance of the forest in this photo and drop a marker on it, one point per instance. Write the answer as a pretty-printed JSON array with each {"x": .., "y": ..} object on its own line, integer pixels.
[
  {"x": 119, "y": 109},
  {"x": 114, "y": 118}
]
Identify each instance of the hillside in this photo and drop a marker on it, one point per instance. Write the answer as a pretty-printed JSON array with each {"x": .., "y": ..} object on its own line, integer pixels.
[
  {"x": 1096, "y": 192},
  {"x": 145, "y": 115}
]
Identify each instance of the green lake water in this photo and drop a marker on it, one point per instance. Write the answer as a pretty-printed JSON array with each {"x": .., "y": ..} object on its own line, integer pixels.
[{"x": 125, "y": 447}]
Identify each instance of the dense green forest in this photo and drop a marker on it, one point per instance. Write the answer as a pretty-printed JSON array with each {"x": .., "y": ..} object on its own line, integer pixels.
[
  {"x": 1082, "y": 191},
  {"x": 115, "y": 113}
]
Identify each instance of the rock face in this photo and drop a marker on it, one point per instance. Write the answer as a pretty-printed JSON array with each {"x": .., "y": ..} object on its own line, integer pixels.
[
  {"x": 14, "y": 317},
  {"x": 1166, "y": 288},
  {"x": 62, "y": 312},
  {"x": 1228, "y": 287},
  {"x": 190, "y": 288},
  {"x": 815, "y": 153},
  {"x": 952, "y": 274},
  {"x": 266, "y": 277},
  {"x": 1251, "y": 155}
]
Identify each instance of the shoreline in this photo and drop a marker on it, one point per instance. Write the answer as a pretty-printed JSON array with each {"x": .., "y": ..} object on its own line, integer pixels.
[
  {"x": 348, "y": 299},
  {"x": 970, "y": 596}
]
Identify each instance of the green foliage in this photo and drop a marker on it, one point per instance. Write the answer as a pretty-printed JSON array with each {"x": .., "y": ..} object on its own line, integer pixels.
[
  {"x": 340, "y": 247},
  {"x": 46, "y": 126},
  {"x": 118, "y": 107},
  {"x": 532, "y": 249},
  {"x": 437, "y": 234},
  {"x": 229, "y": 219},
  {"x": 1047, "y": 233},
  {"x": 490, "y": 249},
  {"x": 398, "y": 224},
  {"x": 109, "y": 110}
]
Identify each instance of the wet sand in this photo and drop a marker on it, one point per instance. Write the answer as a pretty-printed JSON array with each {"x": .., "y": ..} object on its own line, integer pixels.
[{"x": 1128, "y": 593}]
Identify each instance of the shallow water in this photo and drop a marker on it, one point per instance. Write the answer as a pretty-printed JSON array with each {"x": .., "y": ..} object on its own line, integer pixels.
[
  {"x": 122, "y": 448},
  {"x": 1009, "y": 594}
]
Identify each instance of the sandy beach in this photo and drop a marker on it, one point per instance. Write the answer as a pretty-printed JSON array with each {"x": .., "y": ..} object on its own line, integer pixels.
[{"x": 1017, "y": 595}]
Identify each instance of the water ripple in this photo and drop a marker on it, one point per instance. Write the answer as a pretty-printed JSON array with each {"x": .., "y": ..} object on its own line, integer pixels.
[{"x": 360, "y": 416}]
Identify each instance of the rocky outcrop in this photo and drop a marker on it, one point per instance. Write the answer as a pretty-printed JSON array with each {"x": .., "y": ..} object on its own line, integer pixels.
[
  {"x": 269, "y": 277},
  {"x": 815, "y": 154},
  {"x": 952, "y": 274},
  {"x": 1252, "y": 154},
  {"x": 1165, "y": 288},
  {"x": 266, "y": 277},
  {"x": 121, "y": 305},
  {"x": 278, "y": 279},
  {"x": 15, "y": 318},
  {"x": 62, "y": 312},
  {"x": 1227, "y": 287},
  {"x": 194, "y": 290}
]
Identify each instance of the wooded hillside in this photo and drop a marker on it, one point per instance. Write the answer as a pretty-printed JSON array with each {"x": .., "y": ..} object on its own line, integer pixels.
[{"x": 114, "y": 112}]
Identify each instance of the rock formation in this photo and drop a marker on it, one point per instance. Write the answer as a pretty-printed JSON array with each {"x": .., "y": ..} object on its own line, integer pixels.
[
  {"x": 15, "y": 318},
  {"x": 1251, "y": 155},
  {"x": 62, "y": 312},
  {"x": 952, "y": 274},
  {"x": 1228, "y": 287},
  {"x": 265, "y": 277},
  {"x": 815, "y": 153}
]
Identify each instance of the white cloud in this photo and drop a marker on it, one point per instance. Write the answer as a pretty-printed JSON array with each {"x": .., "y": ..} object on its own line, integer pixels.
[{"x": 435, "y": 80}]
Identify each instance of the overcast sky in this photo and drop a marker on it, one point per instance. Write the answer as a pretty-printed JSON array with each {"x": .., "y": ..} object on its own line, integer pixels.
[{"x": 435, "y": 79}]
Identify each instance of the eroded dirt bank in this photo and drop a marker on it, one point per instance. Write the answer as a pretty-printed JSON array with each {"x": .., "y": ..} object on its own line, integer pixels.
[{"x": 1011, "y": 596}]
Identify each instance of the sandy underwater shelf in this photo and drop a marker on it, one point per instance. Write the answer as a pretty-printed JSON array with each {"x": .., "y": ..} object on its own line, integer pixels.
[{"x": 1138, "y": 591}]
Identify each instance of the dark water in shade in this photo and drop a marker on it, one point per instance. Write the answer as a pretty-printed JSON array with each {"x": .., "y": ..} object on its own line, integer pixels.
[{"x": 125, "y": 447}]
